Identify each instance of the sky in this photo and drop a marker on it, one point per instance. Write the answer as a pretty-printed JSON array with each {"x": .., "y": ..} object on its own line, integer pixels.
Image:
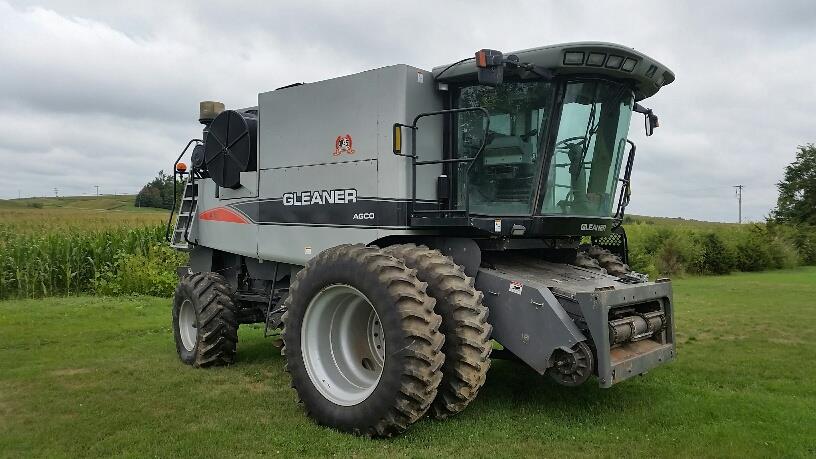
[{"x": 106, "y": 93}]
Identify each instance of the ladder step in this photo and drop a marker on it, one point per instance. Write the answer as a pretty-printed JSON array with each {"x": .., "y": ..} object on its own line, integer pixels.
[{"x": 189, "y": 204}]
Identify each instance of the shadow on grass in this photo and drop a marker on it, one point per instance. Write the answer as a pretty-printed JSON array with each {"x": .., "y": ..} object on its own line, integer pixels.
[
  {"x": 514, "y": 389},
  {"x": 257, "y": 349},
  {"x": 511, "y": 388}
]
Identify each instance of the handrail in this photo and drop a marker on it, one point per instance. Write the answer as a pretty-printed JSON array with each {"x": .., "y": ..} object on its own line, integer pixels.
[
  {"x": 626, "y": 191},
  {"x": 173, "y": 209},
  {"x": 415, "y": 162},
  {"x": 193, "y": 203}
]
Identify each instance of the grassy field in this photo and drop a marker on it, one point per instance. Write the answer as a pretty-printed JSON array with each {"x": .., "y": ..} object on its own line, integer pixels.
[
  {"x": 94, "y": 376},
  {"x": 37, "y": 215}
]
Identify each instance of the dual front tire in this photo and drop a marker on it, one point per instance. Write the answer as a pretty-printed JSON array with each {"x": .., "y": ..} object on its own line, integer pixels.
[
  {"x": 375, "y": 338},
  {"x": 362, "y": 341}
]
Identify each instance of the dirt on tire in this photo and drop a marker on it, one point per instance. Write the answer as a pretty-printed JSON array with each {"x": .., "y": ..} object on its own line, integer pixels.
[
  {"x": 464, "y": 322},
  {"x": 216, "y": 320},
  {"x": 412, "y": 369}
]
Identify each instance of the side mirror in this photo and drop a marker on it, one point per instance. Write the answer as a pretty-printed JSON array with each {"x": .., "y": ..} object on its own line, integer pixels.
[
  {"x": 490, "y": 67},
  {"x": 651, "y": 123}
]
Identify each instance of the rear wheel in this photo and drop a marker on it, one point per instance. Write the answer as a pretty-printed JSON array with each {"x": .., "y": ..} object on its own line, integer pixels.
[
  {"x": 204, "y": 321},
  {"x": 464, "y": 322},
  {"x": 362, "y": 341}
]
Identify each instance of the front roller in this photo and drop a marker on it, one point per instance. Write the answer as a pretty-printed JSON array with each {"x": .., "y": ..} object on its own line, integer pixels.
[{"x": 362, "y": 341}]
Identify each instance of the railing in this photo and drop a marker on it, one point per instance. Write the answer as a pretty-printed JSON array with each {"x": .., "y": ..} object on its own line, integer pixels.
[
  {"x": 176, "y": 173},
  {"x": 626, "y": 189},
  {"x": 415, "y": 162}
]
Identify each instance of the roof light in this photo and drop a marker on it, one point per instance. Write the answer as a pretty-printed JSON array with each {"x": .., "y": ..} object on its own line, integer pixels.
[
  {"x": 629, "y": 64},
  {"x": 574, "y": 58},
  {"x": 488, "y": 58},
  {"x": 614, "y": 62},
  {"x": 596, "y": 59},
  {"x": 181, "y": 168},
  {"x": 481, "y": 59}
]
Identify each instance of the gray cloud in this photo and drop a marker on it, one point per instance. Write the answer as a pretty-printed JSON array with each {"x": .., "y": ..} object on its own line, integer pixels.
[{"x": 99, "y": 94}]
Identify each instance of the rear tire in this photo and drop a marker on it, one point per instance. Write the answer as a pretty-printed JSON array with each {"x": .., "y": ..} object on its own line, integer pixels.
[
  {"x": 204, "y": 321},
  {"x": 340, "y": 304},
  {"x": 464, "y": 322}
]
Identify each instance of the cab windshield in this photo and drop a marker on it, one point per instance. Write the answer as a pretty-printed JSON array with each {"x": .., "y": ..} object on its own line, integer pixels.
[
  {"x": 582, "y": 173},
  {"x": 589, "y": 146},
  {"x": 503, "y": 180}
]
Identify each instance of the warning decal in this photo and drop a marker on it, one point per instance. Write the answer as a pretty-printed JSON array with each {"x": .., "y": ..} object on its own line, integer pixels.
[{"x": 516, "y": 287}]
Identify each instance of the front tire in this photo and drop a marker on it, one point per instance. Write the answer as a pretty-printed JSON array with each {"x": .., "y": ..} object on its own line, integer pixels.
[
  {"x": 204, "y": 321},
  {"x": 464, "y": 323},
  {"x": 362, "y": 341}
]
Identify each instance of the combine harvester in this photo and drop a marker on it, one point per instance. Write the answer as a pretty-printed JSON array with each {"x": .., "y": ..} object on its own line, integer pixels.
[{"x": 396, "y": 222}]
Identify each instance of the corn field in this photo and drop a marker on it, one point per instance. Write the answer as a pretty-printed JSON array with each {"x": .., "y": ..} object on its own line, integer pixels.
[{"x": 73, "y": 261}]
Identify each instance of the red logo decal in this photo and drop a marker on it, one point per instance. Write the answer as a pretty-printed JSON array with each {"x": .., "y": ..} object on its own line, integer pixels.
[
  {"x": 343, "y": 145},
  {"x": 222, "y": 214}
]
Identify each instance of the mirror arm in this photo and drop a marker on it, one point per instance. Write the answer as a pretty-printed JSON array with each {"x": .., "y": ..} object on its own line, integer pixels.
[{"x": 543, "y": 72}]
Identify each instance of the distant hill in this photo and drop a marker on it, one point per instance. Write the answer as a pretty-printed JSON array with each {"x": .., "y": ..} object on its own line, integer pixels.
[
  {"x": 673, "y": 221},
  {"x": 104, "y": 202}
]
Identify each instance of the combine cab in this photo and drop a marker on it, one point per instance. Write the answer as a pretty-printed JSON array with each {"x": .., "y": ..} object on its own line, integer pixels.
[{"x": 396, "y": 223}]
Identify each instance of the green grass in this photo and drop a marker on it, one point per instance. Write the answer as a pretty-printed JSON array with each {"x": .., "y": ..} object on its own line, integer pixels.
[{"x": 93, "y": 376}]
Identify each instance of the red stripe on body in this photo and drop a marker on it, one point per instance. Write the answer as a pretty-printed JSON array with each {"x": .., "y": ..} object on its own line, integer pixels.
[{"x": 223, "y": 214}]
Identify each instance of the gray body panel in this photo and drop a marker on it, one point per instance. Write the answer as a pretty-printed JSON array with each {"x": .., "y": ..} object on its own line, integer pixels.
[
  {"x": 528, "y": 321},
  {"x": 560, "y": 304},
  {"x": 298, "y": 128}
]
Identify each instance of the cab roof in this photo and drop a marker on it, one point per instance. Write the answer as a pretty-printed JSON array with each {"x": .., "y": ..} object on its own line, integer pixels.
[{"x": 596, "y": 58}]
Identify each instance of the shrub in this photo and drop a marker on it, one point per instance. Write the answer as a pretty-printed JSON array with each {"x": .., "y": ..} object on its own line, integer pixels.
[
  {"x": 752, "y": 252},
  {"x": 152, "y": 273},
  {"x": 669, "y": 259},
  {"x": 804, "y": 240},
  {"x": 714, "y": 256}
]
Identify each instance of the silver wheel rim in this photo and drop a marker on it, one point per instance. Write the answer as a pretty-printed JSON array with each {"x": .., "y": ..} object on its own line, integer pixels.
[
  {"x": 187, "y": 325},
  {"x": 343, "y": 345}
]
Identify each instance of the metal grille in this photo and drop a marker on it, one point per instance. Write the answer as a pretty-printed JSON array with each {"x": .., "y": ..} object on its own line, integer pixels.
[{"x": 615, "y": 242}]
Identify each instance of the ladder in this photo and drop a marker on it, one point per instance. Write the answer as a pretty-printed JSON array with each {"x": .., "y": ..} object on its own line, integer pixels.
[{"x": 186, "y": 214}]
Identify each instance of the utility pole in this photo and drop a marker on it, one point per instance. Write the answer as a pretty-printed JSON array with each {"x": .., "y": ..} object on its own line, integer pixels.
[
  {"x": 19, "y": 194},
  {"x": 738, "y": 190},
  {"x": 56, "y": 192},
  {"x": 97, "y": 189}
]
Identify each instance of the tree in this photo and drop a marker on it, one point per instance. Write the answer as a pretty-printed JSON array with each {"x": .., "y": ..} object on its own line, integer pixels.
[
  {"x": 148, "y": 197},
  {"x": 797, "y": 191},
  {"x": 159, "y": 192}
]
